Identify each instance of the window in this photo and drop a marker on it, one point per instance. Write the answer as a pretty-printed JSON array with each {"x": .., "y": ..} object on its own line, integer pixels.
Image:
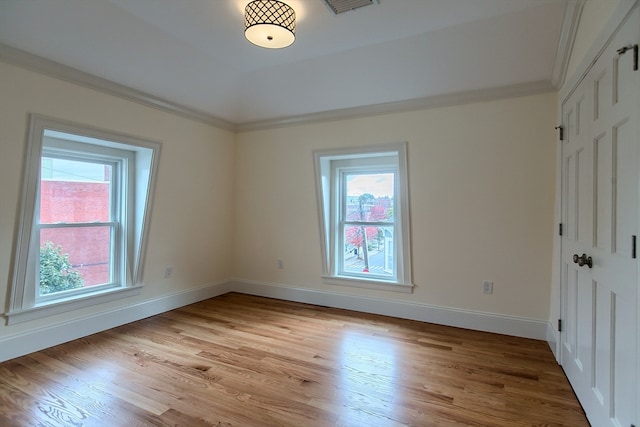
[
  {"x": 364, "y": 218},
  {"x": 85, "y": 203}
]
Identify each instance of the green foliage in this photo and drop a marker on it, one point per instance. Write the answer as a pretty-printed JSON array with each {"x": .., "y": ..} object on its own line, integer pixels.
[{"x": 55, "y": 271}]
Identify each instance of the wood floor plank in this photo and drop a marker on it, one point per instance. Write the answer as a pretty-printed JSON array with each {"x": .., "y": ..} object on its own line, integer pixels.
[{"x": 239, "y": 360}]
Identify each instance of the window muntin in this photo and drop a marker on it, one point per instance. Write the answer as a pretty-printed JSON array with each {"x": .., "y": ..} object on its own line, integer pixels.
[
  {"x": 85, "y": 205},
  {"x": 383, "y": 218}
]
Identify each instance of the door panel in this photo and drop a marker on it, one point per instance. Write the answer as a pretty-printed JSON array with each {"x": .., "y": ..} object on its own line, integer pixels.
[
  {"x": 570, "y": 276},
  {"x": 583, "y": 356},
  {"x": 578, "y": 198},
  {"x": 625, "y": 169},
  {"x": 601, "y": 343},
  {"x": 624, "y": 400},
  {"x": 601, "y": 160},
  {"x": 603, "y": 192}
]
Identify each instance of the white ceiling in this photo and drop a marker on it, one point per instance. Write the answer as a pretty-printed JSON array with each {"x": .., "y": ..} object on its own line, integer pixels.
[{"x": 193, "y": 52}]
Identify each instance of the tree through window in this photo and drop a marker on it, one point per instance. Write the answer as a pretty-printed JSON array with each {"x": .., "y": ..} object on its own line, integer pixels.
[{"x": 368, "y": 199}]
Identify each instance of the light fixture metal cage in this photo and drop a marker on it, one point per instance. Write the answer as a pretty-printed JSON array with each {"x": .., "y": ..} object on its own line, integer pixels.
[{"x": 272, "y": 14}]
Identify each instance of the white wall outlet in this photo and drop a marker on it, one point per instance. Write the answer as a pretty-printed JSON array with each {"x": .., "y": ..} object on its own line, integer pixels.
[
  {"x": 168, "y": 272},
  {"x": 280, "y": 264},
  {"x": 487, "y": 287}
]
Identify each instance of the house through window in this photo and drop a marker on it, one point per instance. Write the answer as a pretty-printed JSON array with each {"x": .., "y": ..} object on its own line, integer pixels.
[{"x": 364, "y": 216}]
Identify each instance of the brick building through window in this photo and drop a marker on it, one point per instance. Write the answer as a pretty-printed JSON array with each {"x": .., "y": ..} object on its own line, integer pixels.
[{"x": 66, "y": 202}]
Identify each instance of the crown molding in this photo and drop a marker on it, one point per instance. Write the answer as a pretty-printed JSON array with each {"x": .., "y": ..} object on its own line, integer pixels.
[
  {"x": 571, "y": 19},
  {"x": 438, "y": 101},
  {"x": 54, "y": 69}
]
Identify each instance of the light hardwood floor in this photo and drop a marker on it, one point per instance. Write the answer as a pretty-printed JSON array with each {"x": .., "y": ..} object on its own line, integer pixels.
[{"x": 239, "y": 360}]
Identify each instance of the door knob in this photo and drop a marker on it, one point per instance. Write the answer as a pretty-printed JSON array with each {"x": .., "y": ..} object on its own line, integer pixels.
[{"x": 583, "y": 260}]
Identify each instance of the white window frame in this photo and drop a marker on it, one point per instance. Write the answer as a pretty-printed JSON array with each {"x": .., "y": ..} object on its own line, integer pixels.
[
  {"x": 329, "y": 165},
  {"x": 136, "y": 162},
  {"x": 122, "y": 164}
]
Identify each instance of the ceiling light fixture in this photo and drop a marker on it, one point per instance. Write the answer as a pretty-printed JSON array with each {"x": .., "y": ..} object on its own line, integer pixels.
[{"x": 270, "y": 23}]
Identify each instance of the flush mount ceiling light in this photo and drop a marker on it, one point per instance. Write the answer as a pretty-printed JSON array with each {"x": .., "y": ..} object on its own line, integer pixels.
[{"x": 270, "y": 23}]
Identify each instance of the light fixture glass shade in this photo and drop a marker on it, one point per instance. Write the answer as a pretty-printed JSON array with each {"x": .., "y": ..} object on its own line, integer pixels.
[{"x": 270, "y": 23}]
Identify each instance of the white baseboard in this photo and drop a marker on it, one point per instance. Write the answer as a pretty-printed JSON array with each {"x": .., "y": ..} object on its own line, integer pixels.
[
  {"x": 27, "y": 342},
  {"x": 553, "y": 338},
  {"x": 468, "y": 319}
]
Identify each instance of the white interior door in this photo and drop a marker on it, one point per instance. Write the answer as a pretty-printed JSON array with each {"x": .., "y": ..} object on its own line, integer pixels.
[{"x": 600, "y": 184}]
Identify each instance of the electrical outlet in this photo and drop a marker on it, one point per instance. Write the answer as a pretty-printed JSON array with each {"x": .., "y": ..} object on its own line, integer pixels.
[
  {"x": 487, "y": 287},
  {"x": 168, "y": 272},
  {"x": 280, "y": 264}
]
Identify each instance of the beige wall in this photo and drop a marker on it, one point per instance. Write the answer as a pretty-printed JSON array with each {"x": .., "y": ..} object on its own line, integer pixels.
[
  {"x": 191, "y": 219},
  {"x": 228, "y": 206},
  {"x": 481, "y": 193}
]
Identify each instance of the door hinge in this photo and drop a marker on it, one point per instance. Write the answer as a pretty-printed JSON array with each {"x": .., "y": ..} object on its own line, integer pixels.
[
  {"x": 559, "y": 325},
  {"x": 633, "y": 247},
  {"x": 628, "y": 47},
  {"x": 560, "y": 229},
  {"x": 561, "y": 130}
]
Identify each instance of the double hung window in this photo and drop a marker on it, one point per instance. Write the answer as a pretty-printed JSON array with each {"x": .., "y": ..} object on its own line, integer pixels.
[
  {"x": 362, "y": 195},
  {"x": 81, "y": 220},
  {"x": 85, "y": 203}
]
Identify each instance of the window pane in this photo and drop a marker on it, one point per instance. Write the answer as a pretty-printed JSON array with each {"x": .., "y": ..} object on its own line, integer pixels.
[
  {"x": 369, "y": 197},
  {"x": 74, "y": 191},
  {"x": 368, "y": 250},
  {"x": 74, "y": 257}
]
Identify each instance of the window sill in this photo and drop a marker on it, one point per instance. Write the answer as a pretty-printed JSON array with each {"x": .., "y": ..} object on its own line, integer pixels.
[
  {"x": 369, "y": 284},
  {"x": 62, "y": 306}
]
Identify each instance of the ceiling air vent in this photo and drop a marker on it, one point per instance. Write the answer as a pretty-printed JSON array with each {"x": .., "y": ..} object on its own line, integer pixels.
[{"x": 341, "y": 6}]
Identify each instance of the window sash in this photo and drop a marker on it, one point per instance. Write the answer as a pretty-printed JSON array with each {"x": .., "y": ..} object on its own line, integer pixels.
[
  {"x": 341, "y": 199},
  {"x": 381, "y": 270},
  {"x": 118, "y": 190},
  {"x": 116, "y": 276},
  {"x": 85, "y": 154},
  {"x": 344, "y": 172},
  {"x": 119, "y": 161}
]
